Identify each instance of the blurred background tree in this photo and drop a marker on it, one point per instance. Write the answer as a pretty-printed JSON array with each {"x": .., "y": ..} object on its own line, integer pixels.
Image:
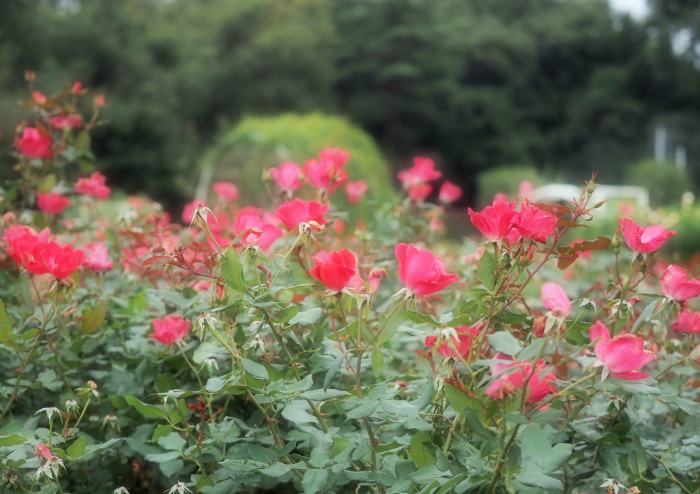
[{"x": 566, "y": 87}]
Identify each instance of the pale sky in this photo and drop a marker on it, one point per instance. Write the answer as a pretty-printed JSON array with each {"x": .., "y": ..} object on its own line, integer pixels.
[{"x": 636, "y": 8}]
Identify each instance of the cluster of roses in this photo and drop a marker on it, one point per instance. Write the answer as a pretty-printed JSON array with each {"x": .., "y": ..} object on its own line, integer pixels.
[
  {"x": 39, "y": 142},
  {"x": 502, "y": 221},
  {"x": 415, "y": 181}
]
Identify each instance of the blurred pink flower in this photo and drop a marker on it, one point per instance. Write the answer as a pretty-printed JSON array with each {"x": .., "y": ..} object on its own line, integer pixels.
[
  {"x": 51, "y": 203},
  {"x": 449, "y": 192},
  {"x": 421, "y": 272},
  {"x": 676, "y": 285},
  {"x": 688, "y": 322},
  {"x": 355, "y": 190},
  {"x": 288, "y": 176},
  {"x": 511, "y": 376},
  {"x": 226, "y": 190},
  {"x": 423, "y": 170},
  {"x": 555, "y": 299},
  {"x": 293, "y": 213},
  {"x": 93, "y": 186},
  {"x": 461, "y": 338},
  {"x": 34, "y": 144},
  {"x": 97, "y": 257},
  {"x": 534, "y": 223}
]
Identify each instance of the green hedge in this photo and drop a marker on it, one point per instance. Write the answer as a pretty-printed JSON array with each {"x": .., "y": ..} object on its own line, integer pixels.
[{"x": 257, "y": 143}]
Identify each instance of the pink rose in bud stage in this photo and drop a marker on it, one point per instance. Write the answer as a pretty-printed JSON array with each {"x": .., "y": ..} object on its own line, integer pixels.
[
  {"x": 93, "y": 186},
  {"x": 643, "y": 240},
  {"x": 100, "y": 100},
  {"x": 511, "y": 376},
  {"x": 355, "y": 190},
  {"x": 337, "y": 156},
  {"x": 419, "y": 192},
  {"x": 34, "y": 144},
  {"x": 97, "y": 258},
  {"x": 288, "y": 176},
  {"x": 60, "y": 261},
  {"x": 77, "y": 88},
  {"x": 676, "y": 285},
  {"x": 324, "y": 175},
  {"x": 554, "y": 298},
  {"x": 500, "y": 196},
  {"x": 226, "y": 190},
  {"x": 170, "y": 329},
  {"x": 534, "y": 223},
  {"x": 259, "y": 233},
  {"x": 462, "y": 341},
  {"x": 688, "y": 322},
  {"x": 20, "y": 241},
  {"x": 42, "y": 450},
  {"x": 293, "y": 213},
  {"x": 496, "y": 221},
  {"x": 449, "y": 192},
  {"x": 70, "y": 122},
  {"x": 334, "y": 269},
  {"x": 621, "y": 355},
  {"x": 421, "y": 272},
  {"x": 189, "y": 209},
  {"x": 51, "y": 203},
  {"x": 374, "y": 278},
  {"x": 423, "y": 170}
]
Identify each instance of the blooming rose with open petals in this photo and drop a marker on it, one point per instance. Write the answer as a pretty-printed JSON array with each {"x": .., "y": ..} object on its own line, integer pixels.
[
  {"x": 337, "y": 156},
  {"x": 226, "y": 190},
  {"x": 688, "y": 322},
  {"x": 20, "y": 241},
  {"x": 34, "y": 144},
  {"x": 449, "y": 192},
  {"x": 423, "y": 170},
  {"x": 643, "y": 240},
  {"x": 511, "y": 376},
  {"x": 555, "y": 299},
  {"x": 170, "y": 329},
  {"x": 421, "y": 272},
  {"x": 97, "y": 258},
  {"x": 622, "y": 355},
  {"x": 334, "y": 269},
  {"x": 293, "y": 213},
  {"x": 324, "y": 175},
  {"x": 51, "y": 203},
  {"x": 259, "y": 233},
  {"x": 676, "y": 285},
  {"x": 355, "y": 190},
  {"x": 93, "y": 186},
  {"x": 288, "y": 176},
  {"x": 60, "y": 261},
  {"x": 534, "y": 223},
  {"x": 496, "y": 221},
  {"x": 459, "y": 339}
]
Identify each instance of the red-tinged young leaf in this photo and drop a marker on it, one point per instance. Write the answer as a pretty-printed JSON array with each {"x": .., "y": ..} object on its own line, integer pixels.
[
  {"x": 566, "y": 261},
  {"x": 570, "y": 224},
  {"x": 157, "y": 260},
  {"x": 557, "y": 210},
  {"x": 601, "y": 243}
]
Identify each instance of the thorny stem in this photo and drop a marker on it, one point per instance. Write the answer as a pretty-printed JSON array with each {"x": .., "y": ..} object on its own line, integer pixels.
[{"x": 673, "y": 477}]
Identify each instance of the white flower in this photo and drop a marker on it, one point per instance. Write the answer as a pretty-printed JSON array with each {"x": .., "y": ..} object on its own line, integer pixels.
[
  {"x": 180, "y": 488},
  {"x": 49, "y": 412}
]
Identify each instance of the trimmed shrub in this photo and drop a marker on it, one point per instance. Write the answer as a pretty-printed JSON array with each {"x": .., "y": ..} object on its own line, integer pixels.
[{"x": 665, "y": 182}]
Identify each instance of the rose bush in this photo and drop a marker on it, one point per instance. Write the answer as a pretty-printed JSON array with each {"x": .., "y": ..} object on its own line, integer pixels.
[{"x": 225, "y": 355}]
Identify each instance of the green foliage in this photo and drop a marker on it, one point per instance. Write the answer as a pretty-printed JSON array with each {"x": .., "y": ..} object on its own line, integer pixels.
[
  {"x": 665, "y": 182},
  {"x": 258, "y": 143}
]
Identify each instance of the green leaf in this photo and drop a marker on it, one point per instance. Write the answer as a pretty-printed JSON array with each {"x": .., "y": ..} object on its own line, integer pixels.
[
  {"x": 365, "y": 409},
  {"x": 388, "y": 323},
  {"x": 6, "y": 323},
  {"x": 148, "y": 411},
  {"x": 287, "y": 313},
  {"x": 377, "y": 362},
  {"x": 161, "y": 430},
  {"x": 339, "y": 445},
  {"x": 420, "y": 449},
  {"x": 486, "y": 270},
  {"x": 420, "y": 318},
  {"x": 315, "y": 480},
  {"x": 254, "y": 369},
  {"x": 321, "y": 394},
  {"x": 263, "y": 455},
  {"x": 232, "y": 271},
  {"x": 279, "y": 468},
  {"x": 538, "y": 455},
  {"x": 93, "y": 319},
  {"x": 537, "y": 479},
  {"x": 504, "y": 342},
  {"x": 307, "y": 317},
  {"x": 76, "y": 449},
  {"x": 457, "y": 399},
  {"x": 12, "y": 440}
]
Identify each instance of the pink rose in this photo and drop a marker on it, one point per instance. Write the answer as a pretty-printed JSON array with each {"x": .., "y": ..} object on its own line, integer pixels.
[
  {"x": 97, "y": 257},
  {"x": 288, "y": 176},
  {"x": 496, "y": 221},
  {"x": 293, "y": 213},
  {"x": 170, "y": 329},
  {"x": 449, "y": 192},
  {"x": 554, "y": 298},
  {"x": 421, "y": 272},
  {"x": 641, "y": 239},
  {"x": 462, "y": 341},
  {"x": 51, "y": 203},
  {"x": 355, "y": 190},
  {"x": 93, "y": 186},
  {"x": 676, "y": 285},
  {"x": 336, "y": 270},
  {"x": 688, "y": 322},
  {"x": 423, "y": 170},
  {"x": 226, "y": 190},
  {"x": 34, "y": 144},
  {"x": 534, "y": 223},
  {"x": 621, "y": 355},
  {"x": 511, "y": 376},
  {"x": 419, "y": 192}
]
